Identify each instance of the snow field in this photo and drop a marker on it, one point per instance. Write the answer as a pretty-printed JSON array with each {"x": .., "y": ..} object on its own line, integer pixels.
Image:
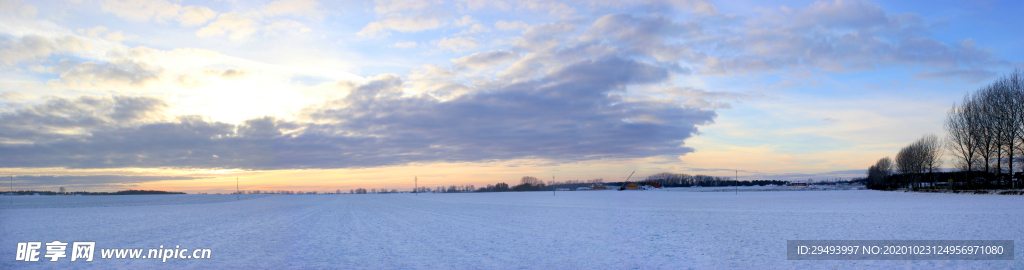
[{"x": 659, "y": 229}]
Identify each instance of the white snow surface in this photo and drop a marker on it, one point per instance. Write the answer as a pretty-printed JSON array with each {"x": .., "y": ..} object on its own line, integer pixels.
[{"x": 653, "y": 229}]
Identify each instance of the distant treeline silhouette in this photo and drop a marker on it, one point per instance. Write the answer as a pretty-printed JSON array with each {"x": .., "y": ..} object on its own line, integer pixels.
[
  {"x": 667, "y": 179},
  {"x": 531, "y": 183}
]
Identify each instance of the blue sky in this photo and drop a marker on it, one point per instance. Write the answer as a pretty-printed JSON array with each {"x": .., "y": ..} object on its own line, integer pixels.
[{"x": 318, "y": 95}]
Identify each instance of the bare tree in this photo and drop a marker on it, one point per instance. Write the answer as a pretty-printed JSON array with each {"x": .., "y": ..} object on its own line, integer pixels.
[
  {"x": 987, "y": 128},
  {"x": 960, "y": 138},
  {"x": 932, "y": 155},
  {"x": 912, "y": 161},
  {"x": 530, "y": 180},
  {"x": 1009, "y": 99},
  {"x": 981, "y": 127},
  {"x": 1016, "y": 88},
  {"x": 878, "y": 174},
  {"x": 999, "y": 101}
]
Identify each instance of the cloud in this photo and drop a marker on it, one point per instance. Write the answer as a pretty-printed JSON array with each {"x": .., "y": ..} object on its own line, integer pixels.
[
  {"x": 697, "y": 98},
  {"x": 465, "y": 21},
  {"x": 230, "y": 73},
  {"x": 32, "y": 47},
  {"x": 837, "y": 36},
  {"x": 698, "y": 7},
  {"x": 404, "y": 44},
  {"x": 13, "y": 96},
  {"x": 476, "y": 28},
  {"x": 842, "y": 14},
  {"x": 240, "y": 27},
  {"x": 94, "y": 181},
  {"x": 196, "y": 15},
  {"x": 484, "y": 60},
  {"x": 408, "y": 16},
  {"x": 90, "y": 75},
  {"x": 438, "y": 82},
  {"x": 159, "y": 11},
  {"x": 60, "y": 118},
  {"x": 17, "y": 8},
  {"x": 99, "y": 32},
  {"x": 479, "y": 4},
  {"x": 388, "y": 6},
  {"x": 298, "y": 8},
  {"x": 398, "y": 22},
  {"x": 695, "y": 6},
  {"x": 570, "y": 113},
  {"x": 971, "y": 75},
  {"x": 544, "y": 36},
  {"x": 553, "y": 8},
  {"x": 457, "y": 44},
  {"x": 703, "y": 103},
  {"x": 645, "y": 36},
  {"x": 509, "y": 26},
  {"x": 690, "y": 92},
  {"x": 285, "y": 26},
  {"x": 198, "y": 79}
]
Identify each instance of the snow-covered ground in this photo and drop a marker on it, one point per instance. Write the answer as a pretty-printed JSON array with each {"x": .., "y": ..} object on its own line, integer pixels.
[{"x": 658, "y": 229}]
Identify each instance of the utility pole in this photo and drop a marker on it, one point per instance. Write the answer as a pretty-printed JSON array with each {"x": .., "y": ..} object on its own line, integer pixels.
[
  {"x": 553, "y": 185},
  {"x": 12, "y": 189},
  {"x": 238, "y": 195},
  {"x": 737, "y": 182},
  {"x": 416, "y": 185}
]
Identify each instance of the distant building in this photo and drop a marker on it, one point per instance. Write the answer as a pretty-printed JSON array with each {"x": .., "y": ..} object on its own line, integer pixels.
[{"x": 798, "y": 183}]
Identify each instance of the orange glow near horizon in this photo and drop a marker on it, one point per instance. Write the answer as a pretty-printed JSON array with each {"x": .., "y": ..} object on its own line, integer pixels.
[{"x": 432, "y": 175}]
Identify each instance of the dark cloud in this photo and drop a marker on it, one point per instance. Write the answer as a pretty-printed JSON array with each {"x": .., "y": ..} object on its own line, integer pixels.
[
  {"x": 841, "y": 14},
  {"x": 544, "y": 36},
  {"x": 230, "y": 73},
  {"x": 101, "y": 75},
  {"x": 971, "y": 75},
  {"x": 34, "y": 47},
  {"x": 93, "y": 180},
  {"x": 644, "y": 36},
  {"x": 573, "y": 112},
  {"x": 835, "y": 36},
  {"x": 484, "y": 59},
  {"x": 58, "y": 118}
]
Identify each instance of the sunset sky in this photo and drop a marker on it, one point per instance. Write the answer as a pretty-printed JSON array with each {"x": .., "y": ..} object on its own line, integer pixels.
[{"x": 324, "y": 95}]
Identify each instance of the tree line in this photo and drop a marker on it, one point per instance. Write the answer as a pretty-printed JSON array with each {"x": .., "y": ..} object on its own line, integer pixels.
[
  {"x": 984, "y": 138},
  {"x": 667, "y": 179},
  {"x": 531, "y": 183}
]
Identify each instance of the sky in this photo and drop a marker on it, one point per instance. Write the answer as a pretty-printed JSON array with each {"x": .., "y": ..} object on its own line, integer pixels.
[{"x": 325, "y": 95}]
